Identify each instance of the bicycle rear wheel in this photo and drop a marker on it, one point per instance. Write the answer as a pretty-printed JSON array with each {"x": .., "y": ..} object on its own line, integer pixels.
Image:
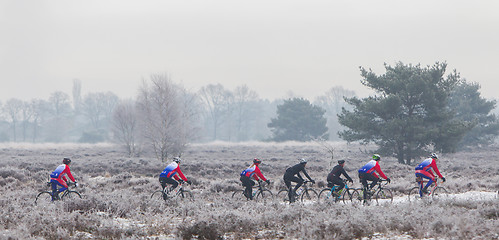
[
  {"x": 414, "y": 194},
  {"x": 239, "y": 195},
  {"x": 71, "y": 195},
  {"x": 282, "y": 195},
  {"x": 325, "y": 196},
  {"x": 309, "y": 195},
  {"x": 384, "y": 196},
  {"x": 265, "y": 194},
  {"x": 157, "y": 195},
  {"x": 44, "y": 197}
]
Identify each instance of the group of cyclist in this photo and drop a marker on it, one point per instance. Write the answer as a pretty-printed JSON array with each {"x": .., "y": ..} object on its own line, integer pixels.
[
  {"x": 172, "y": 175},
  {"x": 368, "y": 175}
]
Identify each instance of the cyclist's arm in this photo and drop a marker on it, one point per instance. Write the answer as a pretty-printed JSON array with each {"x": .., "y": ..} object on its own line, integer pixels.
[
  {"x": 68, "y": 172},
  {"x": 434, "y": 166},
  {"x": 259, "y": 173},
  {"x": 181, "y": 174},
  {"x": 346, "y": 175},
  {"x": 378, "y": 169},
  {"x": 306, "y": 174}
]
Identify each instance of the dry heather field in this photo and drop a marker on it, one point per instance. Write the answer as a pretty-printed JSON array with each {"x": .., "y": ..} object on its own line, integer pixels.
[{"x": 116, "y": 193}]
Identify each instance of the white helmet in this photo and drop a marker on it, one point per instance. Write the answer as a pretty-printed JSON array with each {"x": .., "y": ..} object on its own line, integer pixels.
[
  {"x": 303, "y": 161},
  {"x": 177, "y": 159}
]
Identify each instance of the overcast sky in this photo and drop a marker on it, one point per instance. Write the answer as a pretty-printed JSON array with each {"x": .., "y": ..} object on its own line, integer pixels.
[{"x": 273, "y": 46}]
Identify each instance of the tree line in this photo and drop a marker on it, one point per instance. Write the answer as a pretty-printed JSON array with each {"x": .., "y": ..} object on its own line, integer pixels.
[{"x": 414, "y": 110}]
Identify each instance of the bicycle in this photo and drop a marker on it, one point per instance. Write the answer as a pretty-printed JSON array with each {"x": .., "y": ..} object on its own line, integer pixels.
[
  {"x": 328, "y": 195},
  {"x": 380, "y": 193},
  {"x": 167, "y": 193},
  {"x": 46, "y": 196},
  {"x": 304, "y": 193},
  {"x": 261, "y": 192},
  {"x": 436, "y": 191}
]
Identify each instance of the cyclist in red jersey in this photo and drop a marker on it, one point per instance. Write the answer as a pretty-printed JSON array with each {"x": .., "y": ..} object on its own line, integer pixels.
[
  {"x": 368, "y": 172},
  {"x": 248, "y": 173},
  {"x": 58, "y": 178},
  {"x": 424, "y": 170}
]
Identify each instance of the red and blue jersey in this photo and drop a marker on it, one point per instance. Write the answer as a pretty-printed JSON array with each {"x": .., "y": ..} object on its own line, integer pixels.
[
  {"x": 372, "y": 167},
  {"x": 59, "y": 174},
  {"x": 253, "y": 171},
  {"x": 171, "y": 171},
  {"x": 426, "y": 167}
]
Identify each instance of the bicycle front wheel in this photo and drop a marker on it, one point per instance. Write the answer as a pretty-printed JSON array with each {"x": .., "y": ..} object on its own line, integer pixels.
[
  {"x": 43, "y": 198},
  {"x": 384, "y": 196},
  {"x": 282, "y": 195},
  {"x": 347, "y": 195},
  {"x": 265, "y": 194},
  {"x": 186, "y": 194},
  {"x": 440, "y": 193},
  {"x": 71, "y": 195},
  {"x": 309, "y": 195},
  {"x": 414, "y": 194}
]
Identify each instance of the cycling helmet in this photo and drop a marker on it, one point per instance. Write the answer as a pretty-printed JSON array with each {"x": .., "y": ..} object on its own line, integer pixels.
[
  {"x": 66, "y": 160},
  {"x": 376, "y": 157},
  {"x": 303, "y": 161},
  {"x": 177, "y": 159},
  {"x": 434, "y": 155},
  {"x": 341, "y": 161},
  {"x": 257, "y": 161}
]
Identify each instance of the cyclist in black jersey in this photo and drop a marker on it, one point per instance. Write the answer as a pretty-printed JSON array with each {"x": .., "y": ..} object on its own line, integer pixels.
[
  {"x": 333, "y": 178},
  {"x": 292, "y": 174}
]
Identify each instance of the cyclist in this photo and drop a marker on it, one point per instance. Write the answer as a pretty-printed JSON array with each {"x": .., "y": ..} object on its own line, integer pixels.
[
  {"x": 289, "y": 176},
  {"x": 169, "y": 175},
  {"x": 424, "y": 170},
  {"x": 58, "y": 178},
  {"x": 333, "y": 178},
  {"x": 368, "y": 173},
  {"x": 252, "y": 171}
]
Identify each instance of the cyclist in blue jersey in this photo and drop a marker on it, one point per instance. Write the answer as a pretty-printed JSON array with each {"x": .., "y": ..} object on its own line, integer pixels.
[
  {"x": 171, "y": 174},
  {"x": 252, "y": 171}
]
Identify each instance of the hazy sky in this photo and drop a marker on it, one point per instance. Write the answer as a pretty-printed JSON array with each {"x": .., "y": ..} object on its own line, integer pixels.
[{"x": 273, "y": 46}]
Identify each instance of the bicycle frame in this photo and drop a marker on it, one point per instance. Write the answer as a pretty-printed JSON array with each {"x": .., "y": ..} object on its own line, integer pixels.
[{"x": 421, "y": 184}]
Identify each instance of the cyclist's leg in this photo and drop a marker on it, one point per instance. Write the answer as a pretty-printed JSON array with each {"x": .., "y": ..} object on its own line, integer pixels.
[
  {"x": 54, "y": 185},
  {"x": 338, "y": 182},
  {"x": 248, "y": 184},
  {"x": 172, "y": 182},
  {"x": 426, "y": 175},
  {"x": 163, "y": 182}
]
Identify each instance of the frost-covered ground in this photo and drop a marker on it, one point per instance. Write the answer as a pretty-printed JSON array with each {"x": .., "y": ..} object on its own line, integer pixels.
[{"x": 116, "y": 193}]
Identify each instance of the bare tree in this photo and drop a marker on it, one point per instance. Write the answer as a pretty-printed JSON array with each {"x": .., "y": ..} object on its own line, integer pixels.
[
  {"x": 218, "y": 102},
  {"x": 26, "y": 115},
  {"x": 242, "y": 98},
  {"x": 98, "y": 107},
  {"x": 332, "y": 101},
  {"x": 39, "y": 109},
  {"x": 77, "y": 95},
  {"x": 125, "y": 126},
  {"x": 12, "y": 109},
  {"x": 164, "y": 120},
  {"x": 60, "y": 109}
]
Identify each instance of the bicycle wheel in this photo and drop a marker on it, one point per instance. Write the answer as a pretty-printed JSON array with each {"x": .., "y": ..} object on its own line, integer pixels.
[
  {"x": 239, "y": 195},
  {"x": 71, "y": 195},
  {"x": 43, "y": 198},
  {"x": 309, "y": 195},
  {"x": 384, "y": 196},
  {"x": 265, "y": 194},
  {"x": 157, "y": 194},
  {"x": 186, "y": 194},
  {"x": 325, "y": 196},
  {"x": 440, "y": 193},
  {"x": 414, "y": 194},
  {"x": 282, "y": 195},
  {"x": 347, "y": 195},
  {"x": 357, "y": 196}
]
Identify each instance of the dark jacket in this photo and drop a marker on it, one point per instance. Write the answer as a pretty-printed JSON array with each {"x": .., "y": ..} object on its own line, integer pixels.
[
  {"x": 295, "y": 170},
  {"x": 336, "y": 173}
]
